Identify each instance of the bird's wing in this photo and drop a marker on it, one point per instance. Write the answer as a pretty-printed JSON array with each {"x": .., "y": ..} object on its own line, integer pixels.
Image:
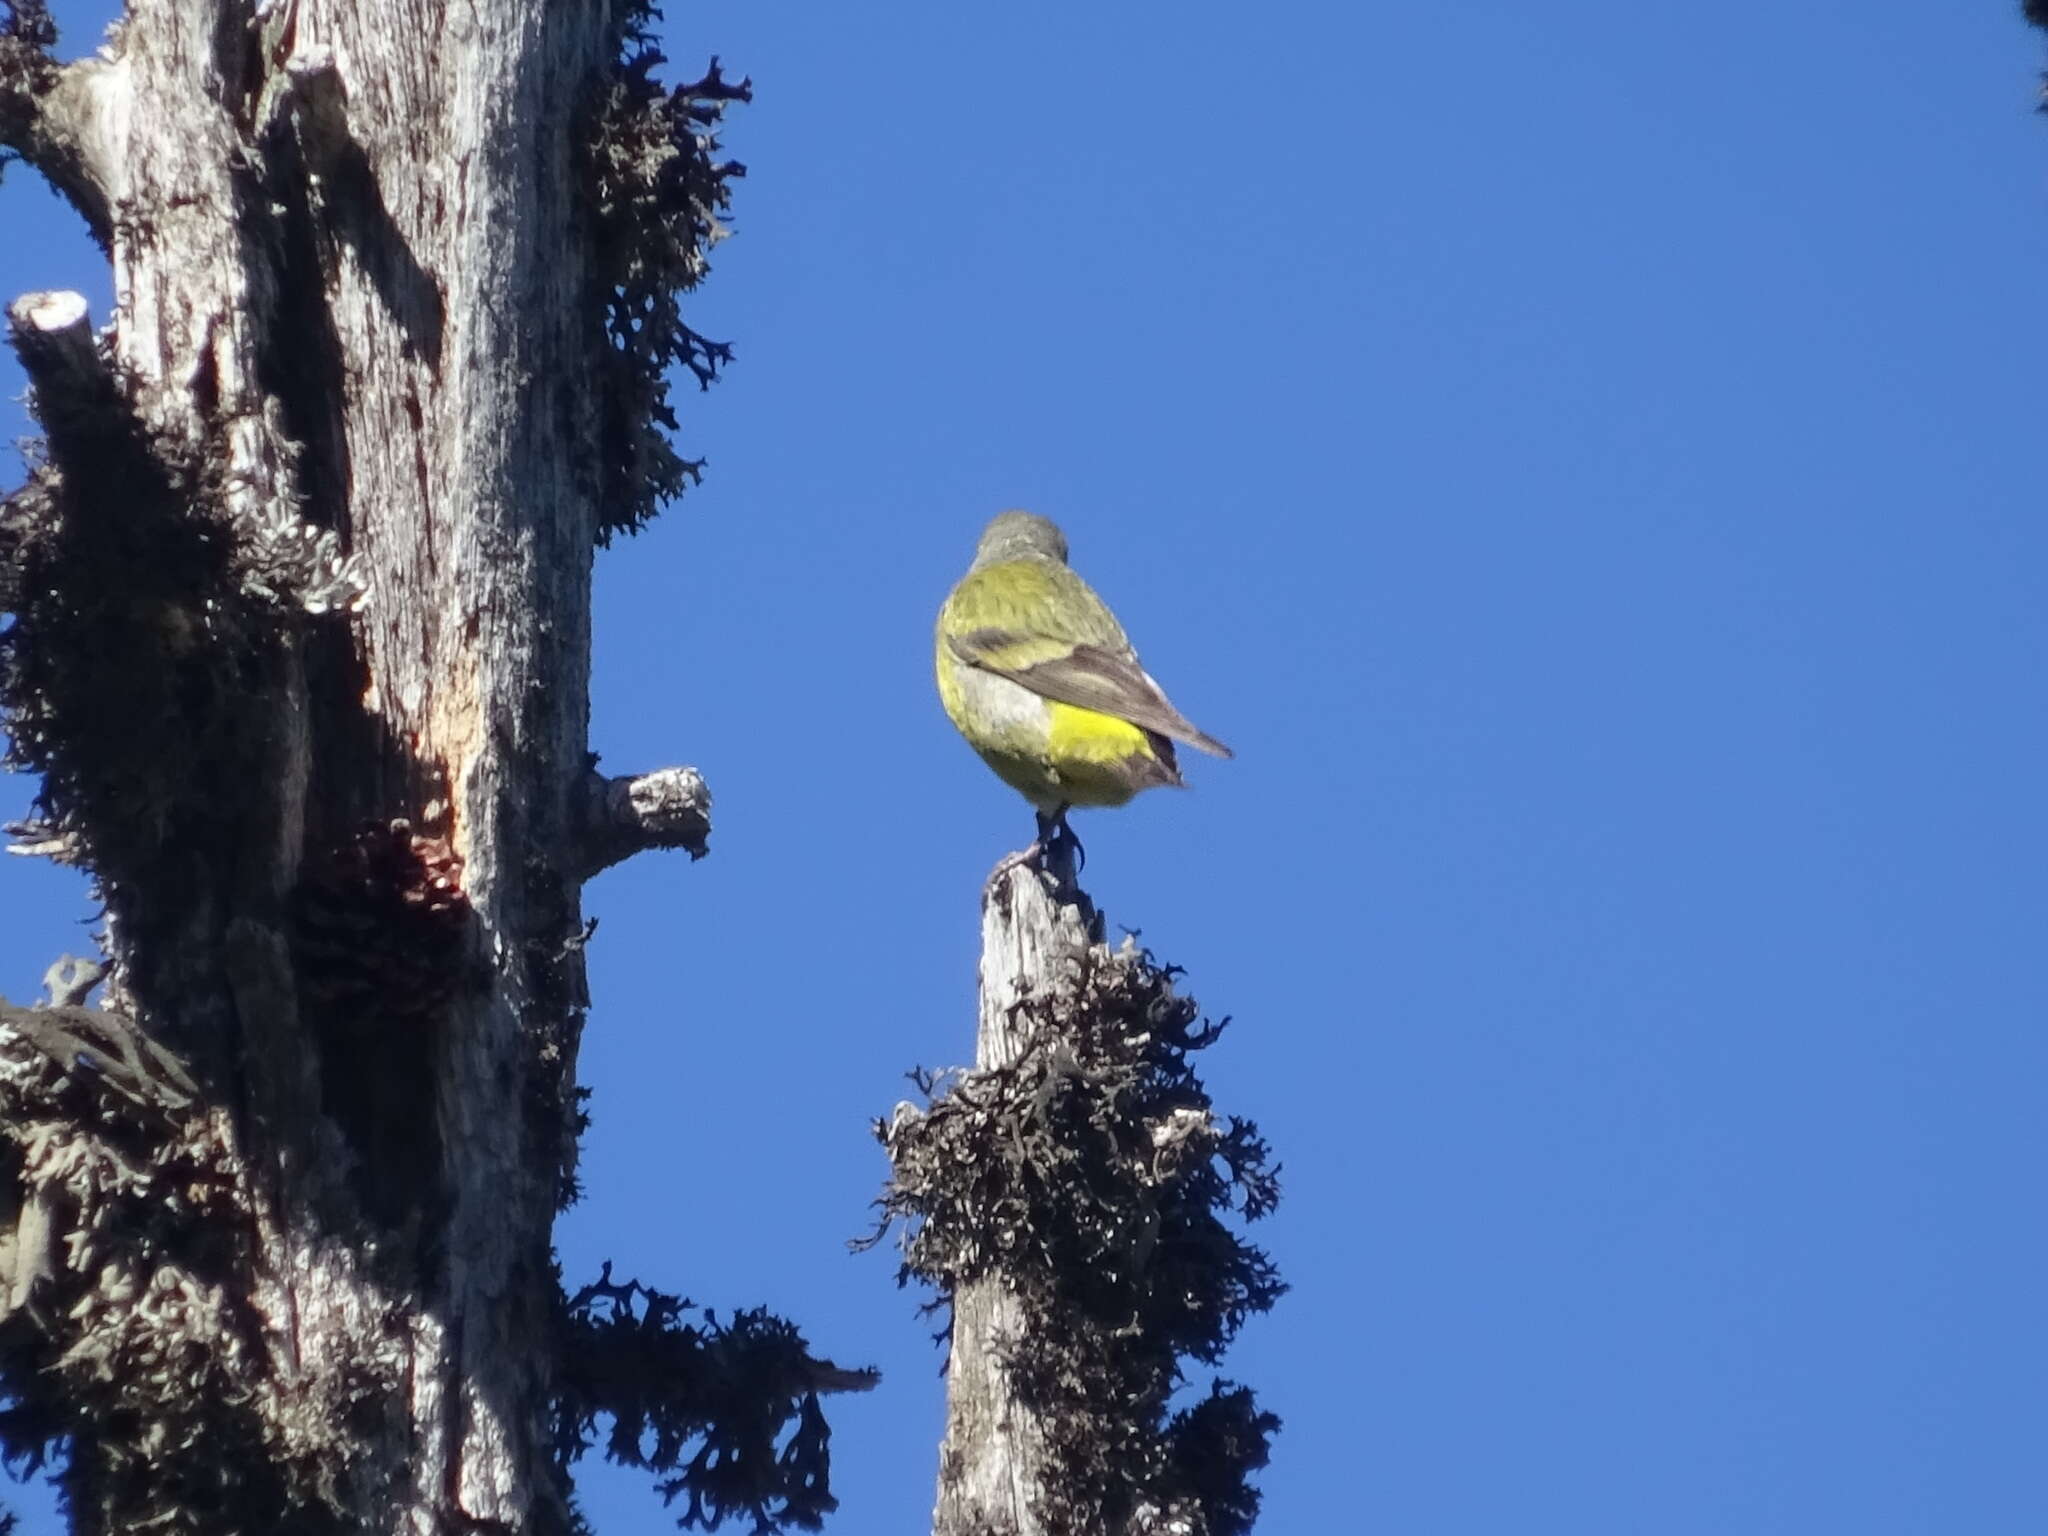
[{"x": 1087, "y": 676}]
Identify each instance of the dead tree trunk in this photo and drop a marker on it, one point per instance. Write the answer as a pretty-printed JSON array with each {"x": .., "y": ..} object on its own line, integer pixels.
[
  {"x": 1068, "y": 1200},
  {"x": 301, "y": 600}
]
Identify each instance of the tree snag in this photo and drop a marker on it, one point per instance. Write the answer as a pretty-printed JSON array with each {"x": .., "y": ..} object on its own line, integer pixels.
[
  {"x": 1067, "y": 1200},
  {"x": 300, "y": 598}
]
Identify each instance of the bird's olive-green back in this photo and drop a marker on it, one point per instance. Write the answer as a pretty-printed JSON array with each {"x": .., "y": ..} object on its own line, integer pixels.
[{"x": 1042, "y": 608}]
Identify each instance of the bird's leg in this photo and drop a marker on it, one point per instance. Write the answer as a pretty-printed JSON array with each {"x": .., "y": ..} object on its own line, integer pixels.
[
  {"x": 1063, "y": 857},
  {"x": 1049, "y": 824}
]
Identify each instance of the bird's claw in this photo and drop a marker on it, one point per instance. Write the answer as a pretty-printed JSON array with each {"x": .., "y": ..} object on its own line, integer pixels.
[
  {"x": 1057, "y": 848},
  {"x": 1056, "y": 852}
]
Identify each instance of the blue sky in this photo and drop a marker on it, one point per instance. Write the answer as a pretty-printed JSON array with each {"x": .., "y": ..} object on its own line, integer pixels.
[{"x": 1588, "y": 462}]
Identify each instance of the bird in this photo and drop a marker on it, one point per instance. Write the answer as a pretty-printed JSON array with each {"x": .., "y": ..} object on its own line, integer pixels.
[{"x": 1038, "y": 676}]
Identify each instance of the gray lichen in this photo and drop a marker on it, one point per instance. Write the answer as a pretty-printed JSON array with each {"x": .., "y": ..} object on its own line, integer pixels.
[
  {"x": 725, "y": 1414},
  {"x": 135, "y": 1314},
  {"x": 659, "y": 192}
]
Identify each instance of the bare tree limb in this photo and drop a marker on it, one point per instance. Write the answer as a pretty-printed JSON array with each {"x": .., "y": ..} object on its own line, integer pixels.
[
  {"x": 54, "y": 341},
  {"x": 71, "y": 979},
  {"x": 39, "y": 839},
  {"x": 669, "y": 808},
  {"x": 51, "y": 333}
]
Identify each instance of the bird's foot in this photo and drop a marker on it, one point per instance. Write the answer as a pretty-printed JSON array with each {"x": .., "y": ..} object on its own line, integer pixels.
[
  {"x": 1055, "y": 851},
  {"x": 1023, "y": 858},
  {"x": 1070, "y": 846}
]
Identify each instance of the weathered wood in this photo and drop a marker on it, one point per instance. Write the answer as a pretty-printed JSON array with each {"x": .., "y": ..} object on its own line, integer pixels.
[
  {"x": 669, "y": 808},
  {"x": 359, "y": 364},
  {"x": 53, "y": 339},
  {"x": 1072, "y": 1198},
  {"x": 38, "y": 117},
  {"x": 455, "y": 312},
  {"x": 995, "y": 1459}
]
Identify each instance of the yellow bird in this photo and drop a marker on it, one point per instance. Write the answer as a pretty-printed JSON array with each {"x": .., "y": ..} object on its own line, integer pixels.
[{"x": 1039, "y": 677}]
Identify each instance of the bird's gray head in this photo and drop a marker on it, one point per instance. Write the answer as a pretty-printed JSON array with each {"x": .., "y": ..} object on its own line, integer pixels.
[{"x": 1020, "y": 536}]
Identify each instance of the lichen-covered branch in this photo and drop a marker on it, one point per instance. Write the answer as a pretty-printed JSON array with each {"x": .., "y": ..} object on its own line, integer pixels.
[
  {"x": 125, "y": 1219},
  {"x": 725, "y": 1414},
  {"x": 661, "y": 191},
  {"x": 1071, "y": 1200},
  {"x": 636, "y": 813},
  {"x": 108, "y": 1045}
]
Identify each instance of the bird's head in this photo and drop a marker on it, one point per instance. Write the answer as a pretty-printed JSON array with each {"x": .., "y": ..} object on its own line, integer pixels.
[{"x": 1020, "y": 536}]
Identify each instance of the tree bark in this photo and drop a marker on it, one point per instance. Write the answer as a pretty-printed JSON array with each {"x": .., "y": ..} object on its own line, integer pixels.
[
  {"x": 302, "y": 586},
  {"x": 997, "y": 1460}
]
